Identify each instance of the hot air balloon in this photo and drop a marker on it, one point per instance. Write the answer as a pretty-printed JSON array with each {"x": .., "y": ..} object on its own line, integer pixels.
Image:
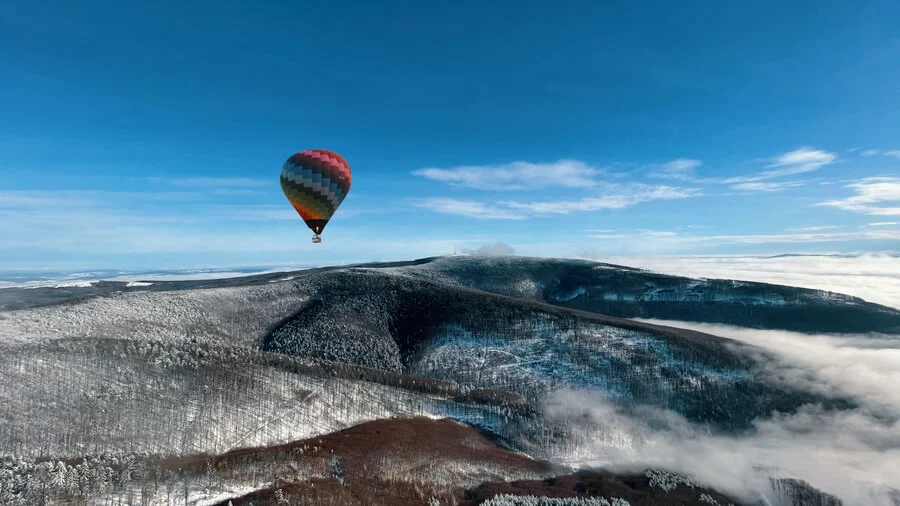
[{"x": 315, "y": 182}]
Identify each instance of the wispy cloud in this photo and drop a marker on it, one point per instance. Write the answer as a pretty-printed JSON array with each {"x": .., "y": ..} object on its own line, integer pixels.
[
  {"x": 766, "y": 187},
  {"x": 884, "y": 223},
  {"x": 492, "y": 250},
  {"x": 29, "y": 199},
  {"x": 871, "y": 152},
  {"x": 214, "y": 182},
  {"x": 106, "y": 236},
  {"x": 674, "y": 239},
  {"x": 616, "y": 196},
  {"x": 52, "y": 199},
  {"x": 815, "y": 229},
  {"x": 799, "y": 161},
  {"x": 470, "y": 209},
  {"x": 246, "y": 212},
  {"x": 627, "y": 195},
  {"x": 516, "y": 175},
  {"x": 684, "y": 169},
  {"x": 871, "y": 195},
  {"x": 658, "y": 233},
  {"x": 895, "y": 153}
]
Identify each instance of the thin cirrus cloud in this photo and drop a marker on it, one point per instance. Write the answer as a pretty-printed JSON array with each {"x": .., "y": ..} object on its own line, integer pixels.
[
  {"x": 895, "y": 153},
  {"x": 682, "y": 168},
  {"x": 617, "y": 197},
  {"x": 815, "y": 229},
  {"x": 516, "y": 175},
  {"x": 766, "y": 186},
  {"x": 53, "y": 199},
  {"x": 875, "y": 196},
  {"x": 212, "y": 182},
  {"x": 810, "y": 236},
  {"x": 470, "y": 208},
  {"x": 40, "y": 198},
  {"x": 799, "y": 161}
]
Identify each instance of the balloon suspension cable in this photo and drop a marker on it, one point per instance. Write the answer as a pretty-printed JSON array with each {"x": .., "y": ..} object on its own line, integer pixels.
[{"x": 317, "y": 239}]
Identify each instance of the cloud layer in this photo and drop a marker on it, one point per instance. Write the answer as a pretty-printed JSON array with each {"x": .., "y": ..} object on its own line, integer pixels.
[
  {"x": 873, "y": 277},
  {"x": 669, "y": 241},
  {"x": 852, "y": 454}
]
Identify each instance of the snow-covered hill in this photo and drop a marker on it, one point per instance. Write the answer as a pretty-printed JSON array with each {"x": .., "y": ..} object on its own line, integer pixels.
[{"x": 535, "y": 353}]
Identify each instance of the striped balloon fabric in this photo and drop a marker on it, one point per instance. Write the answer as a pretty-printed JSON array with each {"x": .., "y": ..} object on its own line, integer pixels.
[{"x": 315, "y": 182}]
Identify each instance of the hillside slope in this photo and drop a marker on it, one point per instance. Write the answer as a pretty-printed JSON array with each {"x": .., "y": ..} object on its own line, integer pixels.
[{"x": 515, "y": 347}]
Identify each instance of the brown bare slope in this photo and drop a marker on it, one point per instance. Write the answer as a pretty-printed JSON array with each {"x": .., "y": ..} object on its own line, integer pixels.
[
  {"x": 412, "y": 461},
  {"x": 391, "y": 461}
]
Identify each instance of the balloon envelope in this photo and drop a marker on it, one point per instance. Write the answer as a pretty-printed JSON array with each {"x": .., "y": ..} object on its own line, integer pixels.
[{"x": 315, "y": 182}]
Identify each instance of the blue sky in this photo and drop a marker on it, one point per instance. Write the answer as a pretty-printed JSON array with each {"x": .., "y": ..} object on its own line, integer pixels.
[{"x": 149, "y": 136}]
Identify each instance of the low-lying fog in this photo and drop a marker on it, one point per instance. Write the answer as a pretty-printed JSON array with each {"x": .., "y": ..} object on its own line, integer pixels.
[{"x": 853, "y": 454}]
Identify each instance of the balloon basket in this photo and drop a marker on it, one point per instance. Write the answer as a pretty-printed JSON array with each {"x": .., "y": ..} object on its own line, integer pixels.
[{"x": 317, "y": 239}]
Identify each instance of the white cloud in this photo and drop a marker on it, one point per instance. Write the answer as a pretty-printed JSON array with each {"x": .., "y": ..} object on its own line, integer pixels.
[
  {"x": 673, "y": 239},
  {"x": 493, "y": 250},
  {"x": 799, "y": 161},
  {"x": 658, "y": 233},
  {"x": 38, "y": 238},
  {"x": 681, "y": 168},
  {"x": 628, "y": 196},
  {"x": 49, "y": 199},
  {"x": 617, "y": 196},
  {"x": 839, "y": 359},
  {"x": 815, "y": 229},
  {"x": 470, "y": 209},
  {"x": 884, "y": 223},
  {"x": 871, "y": 194},
  {"x": 804, "y": 157},
  {"x": 682, "y": 164},
  {"x": 894, "y": 153},
  {"x": 38, "y": 228},
  {"x": 516, "y": 175},
  {"x": 851, "y": 453},
  {"x": 29, "y": 199},
  {"x": 251, "y": 213},
  {"x": 766, "y": 187},
  {"x": 871, "y": 152},
  {"x": 212, "y": 182}
]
